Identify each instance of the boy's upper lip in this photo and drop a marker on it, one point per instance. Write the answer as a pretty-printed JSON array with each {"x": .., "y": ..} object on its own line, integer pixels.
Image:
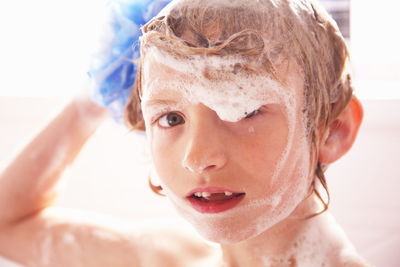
[{"x": 212, "y": 189}]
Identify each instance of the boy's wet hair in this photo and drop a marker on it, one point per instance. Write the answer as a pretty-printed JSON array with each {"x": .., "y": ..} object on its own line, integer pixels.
[{"x": 268, "y": 34}]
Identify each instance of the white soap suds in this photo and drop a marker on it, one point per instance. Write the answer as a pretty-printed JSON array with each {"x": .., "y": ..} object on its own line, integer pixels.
[
  {"x": 230, "y": 95},
  {"x": 310, "y": 247}
]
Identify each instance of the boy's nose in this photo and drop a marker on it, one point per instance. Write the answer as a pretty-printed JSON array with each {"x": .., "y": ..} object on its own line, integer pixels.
[{"x": 205, "y": 146}]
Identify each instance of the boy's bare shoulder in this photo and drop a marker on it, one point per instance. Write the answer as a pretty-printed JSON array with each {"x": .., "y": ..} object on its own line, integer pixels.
[
  {"x": 350, "y": 258},
  {"x": 356, "y": 261},
  {"x": 60, "y": 238},
  {"x": 176, "y": 245}
]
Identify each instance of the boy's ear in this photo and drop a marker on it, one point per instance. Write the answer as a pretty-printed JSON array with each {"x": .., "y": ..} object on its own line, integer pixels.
[{"x": 341, "y": 133}]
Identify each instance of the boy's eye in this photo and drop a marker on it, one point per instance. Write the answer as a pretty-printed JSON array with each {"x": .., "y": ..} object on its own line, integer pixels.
[
  {"x": 251, "y": 114},
  {"x": 170, "y": 120}
]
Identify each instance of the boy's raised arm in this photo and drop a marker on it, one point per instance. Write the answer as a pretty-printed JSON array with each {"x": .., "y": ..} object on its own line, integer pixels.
[
  {"x": 34, "y": 234},
  {"x": 27, "y": 183}
]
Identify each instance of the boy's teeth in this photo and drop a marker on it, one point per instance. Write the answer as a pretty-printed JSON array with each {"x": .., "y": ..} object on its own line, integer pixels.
[
  {"x": 208, "y": 194},
  {"x": 205, "y": 194}
]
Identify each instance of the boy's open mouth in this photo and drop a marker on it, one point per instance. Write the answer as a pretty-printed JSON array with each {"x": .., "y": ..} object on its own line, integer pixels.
[
  {"x": 215, "y": 197},
  {"x": 214, "y": 202}
]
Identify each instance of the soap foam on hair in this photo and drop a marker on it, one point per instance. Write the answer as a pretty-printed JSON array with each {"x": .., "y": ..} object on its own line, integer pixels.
[{"x": 227, "y": 92}]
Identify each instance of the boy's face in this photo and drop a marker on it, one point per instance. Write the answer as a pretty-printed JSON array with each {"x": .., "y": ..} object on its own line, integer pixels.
[{"x": 231, "y": 179}]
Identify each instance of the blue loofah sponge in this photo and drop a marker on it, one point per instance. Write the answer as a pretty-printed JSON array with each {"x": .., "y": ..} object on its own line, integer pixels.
[{"x": 112, "y": 70}]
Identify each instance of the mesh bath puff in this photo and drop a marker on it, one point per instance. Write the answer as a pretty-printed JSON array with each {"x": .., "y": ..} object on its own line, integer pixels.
[{"x": 112, "y": 69}]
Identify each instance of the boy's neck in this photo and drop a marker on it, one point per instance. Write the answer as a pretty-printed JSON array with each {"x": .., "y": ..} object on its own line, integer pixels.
[{"x": 285, "y": 243}]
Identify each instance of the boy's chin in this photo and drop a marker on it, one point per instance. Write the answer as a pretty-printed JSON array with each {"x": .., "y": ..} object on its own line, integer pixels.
[
  {"x": 225, "y": 233},
  {"x": 229, "y": 236}
]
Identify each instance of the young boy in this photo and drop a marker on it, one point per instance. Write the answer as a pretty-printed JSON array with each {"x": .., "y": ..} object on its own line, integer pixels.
[{"x": 245, "y": 104}]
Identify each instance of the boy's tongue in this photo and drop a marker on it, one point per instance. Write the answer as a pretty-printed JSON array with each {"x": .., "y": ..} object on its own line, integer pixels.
[{"x": 220, "y": 197}]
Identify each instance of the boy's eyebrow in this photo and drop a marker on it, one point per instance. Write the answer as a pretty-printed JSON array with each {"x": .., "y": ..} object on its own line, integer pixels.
[{"x": 156, "y": 102}]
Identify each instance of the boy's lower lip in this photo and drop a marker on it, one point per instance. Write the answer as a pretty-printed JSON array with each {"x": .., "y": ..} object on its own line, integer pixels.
[{"x": 215, "y": 206}]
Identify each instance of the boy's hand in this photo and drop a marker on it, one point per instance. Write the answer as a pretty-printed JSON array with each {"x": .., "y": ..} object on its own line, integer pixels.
[
  {"x": 87, "y": 110},
  {"x": 112, "y": 69}
]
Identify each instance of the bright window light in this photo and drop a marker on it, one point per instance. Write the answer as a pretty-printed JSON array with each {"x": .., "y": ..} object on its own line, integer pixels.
[{"x": 45, "y": 46}]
